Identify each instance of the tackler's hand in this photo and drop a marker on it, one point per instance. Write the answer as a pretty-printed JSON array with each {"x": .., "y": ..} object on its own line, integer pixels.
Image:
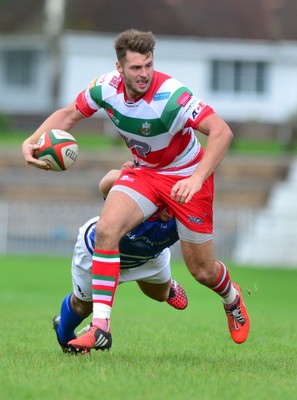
[{"x": 128, "y": 165}]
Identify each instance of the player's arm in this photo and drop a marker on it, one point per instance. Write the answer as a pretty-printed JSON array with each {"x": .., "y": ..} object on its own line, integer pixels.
[
  {"x": 109, "y": 179},
  {"x": 218, "y": 141},
  {"x": 219, "y": 138},
  {"x": 64, "y": 119}
]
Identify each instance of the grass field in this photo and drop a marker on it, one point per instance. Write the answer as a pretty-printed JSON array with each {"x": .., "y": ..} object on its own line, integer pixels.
[{"x": 158, "y": 353}]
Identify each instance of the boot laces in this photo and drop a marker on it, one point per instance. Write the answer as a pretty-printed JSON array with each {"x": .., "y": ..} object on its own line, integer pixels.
[
  {"x": 237, "y": 317},
  {"x": 172, "y": 290}
]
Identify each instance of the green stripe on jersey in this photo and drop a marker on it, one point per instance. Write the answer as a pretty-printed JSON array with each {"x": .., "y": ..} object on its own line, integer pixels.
[
  {"x": 96, "y": 94},
  {"x": 172, "y": 107},
  {"x": 132, "y": 124},
  {"x": 161, "y": 124}
]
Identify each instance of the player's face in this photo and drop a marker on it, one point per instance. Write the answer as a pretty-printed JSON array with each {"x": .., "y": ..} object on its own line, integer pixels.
[{"x": 138, "y": 71}]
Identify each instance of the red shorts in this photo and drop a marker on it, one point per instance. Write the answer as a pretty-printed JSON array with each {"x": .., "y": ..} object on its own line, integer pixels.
[{"x": 197, "y": 215}]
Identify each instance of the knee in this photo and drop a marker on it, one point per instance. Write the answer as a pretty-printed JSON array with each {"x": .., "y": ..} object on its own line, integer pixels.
[
  {"x": 204, "y": 273},
  {"x": 106, "y": 234},
  {"x": 103, "y": 230}
]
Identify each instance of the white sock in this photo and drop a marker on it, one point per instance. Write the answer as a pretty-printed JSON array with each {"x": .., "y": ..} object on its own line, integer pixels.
[{"x": 231, "y": 297}]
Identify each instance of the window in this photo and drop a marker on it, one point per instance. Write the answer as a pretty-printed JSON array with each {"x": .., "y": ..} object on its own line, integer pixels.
[
  {"x": 19, "y": 67},
  {"x": 238, "y": 76}
]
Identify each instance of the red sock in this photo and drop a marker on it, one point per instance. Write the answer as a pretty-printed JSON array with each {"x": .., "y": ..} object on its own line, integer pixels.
[
  {"x": 105, "y": 277},
  {"x": 222, "y": 285}
]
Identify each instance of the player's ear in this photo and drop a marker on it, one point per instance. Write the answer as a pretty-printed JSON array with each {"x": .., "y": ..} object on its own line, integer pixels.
[{"x": 119, "y": 67}]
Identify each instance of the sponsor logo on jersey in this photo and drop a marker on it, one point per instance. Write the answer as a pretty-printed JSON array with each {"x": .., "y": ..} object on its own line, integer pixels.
[
  {"x": 190, "y": 105},
  {"x": 127, "y": 178},
  {"x": 197, "y": 110},
  {"x": 145, "y": 129},
  {"x": 141, "y": 148},
  {"x": 114, "y": 82},
  {"x": 183, "y": 99},
  {"x": 195, "y": 220},
  {"x": 110, "y": 113},
  {"x": 200, "y": 106},
  {"x": 161, "y": 96}
]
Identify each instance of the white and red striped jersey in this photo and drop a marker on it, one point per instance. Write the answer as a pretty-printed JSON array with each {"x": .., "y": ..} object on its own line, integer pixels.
[{"x": 159, "y": 127}]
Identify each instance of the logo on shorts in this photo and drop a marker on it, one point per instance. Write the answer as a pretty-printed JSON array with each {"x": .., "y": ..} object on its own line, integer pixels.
[
  {"x": 127, "y": 178},
  {"x": 80, "y": 291},
  {"x": 195, "y": 220}
]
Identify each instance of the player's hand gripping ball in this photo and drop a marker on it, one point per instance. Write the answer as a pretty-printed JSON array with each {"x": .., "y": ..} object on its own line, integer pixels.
[{"x": 58, "y": 148}]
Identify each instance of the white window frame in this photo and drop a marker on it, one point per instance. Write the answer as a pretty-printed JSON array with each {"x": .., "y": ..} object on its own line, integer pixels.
[
  {"x": 19, "y": 68},
  {"x": 239, "y": 77}
]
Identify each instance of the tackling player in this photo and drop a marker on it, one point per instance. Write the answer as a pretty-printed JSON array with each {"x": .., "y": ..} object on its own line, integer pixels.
[{"x": 145, "y": 258}]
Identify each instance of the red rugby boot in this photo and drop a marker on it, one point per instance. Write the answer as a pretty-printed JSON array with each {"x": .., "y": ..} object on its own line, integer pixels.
[
  {"x": 177, "y": 296},
  {"x": 238, "y": 319}
]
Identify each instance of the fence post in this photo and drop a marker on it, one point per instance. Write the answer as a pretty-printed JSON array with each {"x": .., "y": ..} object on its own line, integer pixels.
[{"x": 4, "y": 214}]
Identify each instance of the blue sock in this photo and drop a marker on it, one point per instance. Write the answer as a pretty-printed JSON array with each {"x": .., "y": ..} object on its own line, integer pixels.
[{"x": 69, "y": 321}]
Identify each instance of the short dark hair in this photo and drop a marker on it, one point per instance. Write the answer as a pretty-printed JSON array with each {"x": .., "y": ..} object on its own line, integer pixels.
[{"x": 135, "y": 41}]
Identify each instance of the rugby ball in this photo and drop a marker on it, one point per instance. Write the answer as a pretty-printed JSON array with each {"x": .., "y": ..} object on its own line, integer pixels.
[{"x": 58, "y": 148}]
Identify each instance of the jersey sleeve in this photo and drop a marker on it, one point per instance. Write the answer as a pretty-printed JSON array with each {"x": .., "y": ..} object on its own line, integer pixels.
[
  {"x": 192, "y": 110},
  {"x": 85, "y": 103},
  {"x": 184, "y": 110},
  {"x": 196, "y": 112}
]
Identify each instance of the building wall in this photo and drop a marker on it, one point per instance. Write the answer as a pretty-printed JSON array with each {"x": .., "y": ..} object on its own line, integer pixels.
[
  {"x": 18, "y": 93},
  {"x": 85, "y": 56}
]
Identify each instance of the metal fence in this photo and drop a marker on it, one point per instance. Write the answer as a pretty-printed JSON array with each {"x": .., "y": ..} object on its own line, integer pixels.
[
  {"x": 42, "y": 228},
  {"x": 51, "y": 228}
]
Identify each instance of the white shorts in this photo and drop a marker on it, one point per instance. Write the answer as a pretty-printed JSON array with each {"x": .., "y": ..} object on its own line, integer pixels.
[{"x": 156, "y": 270}]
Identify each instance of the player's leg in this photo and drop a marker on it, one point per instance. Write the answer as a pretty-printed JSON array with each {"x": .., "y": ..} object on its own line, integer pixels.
[
  {"x": 77, "y": 305},
  {"x": 155, "y": 291},
  {"x": 200, "y": 261},
  {"x": 195, "y": 225},
  {"x": 171, "y": 292},
  {"x": 155, "y": 281},
  {"x": 121, "y": 213},
  {"x": 73, "y": 312},
  {"x": 82, "y": 308}
]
